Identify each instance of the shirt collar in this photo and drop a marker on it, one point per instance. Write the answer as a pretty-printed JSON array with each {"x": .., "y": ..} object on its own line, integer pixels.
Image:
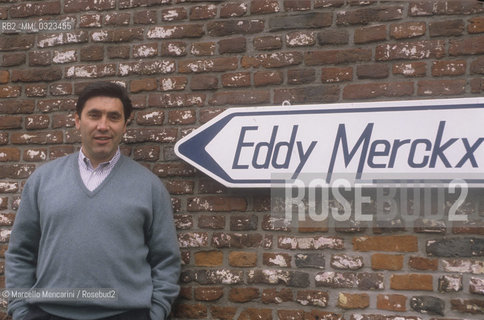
[{"x": 85, "y": 160}]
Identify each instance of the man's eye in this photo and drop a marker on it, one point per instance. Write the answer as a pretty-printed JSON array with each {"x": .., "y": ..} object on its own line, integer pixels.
[
  {"x": 115, "y": 116},
  {"x": 94, "y": 115}
]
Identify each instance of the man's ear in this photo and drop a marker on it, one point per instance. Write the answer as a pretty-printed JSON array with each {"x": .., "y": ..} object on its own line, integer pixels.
[{"x": 77, "y": 120}]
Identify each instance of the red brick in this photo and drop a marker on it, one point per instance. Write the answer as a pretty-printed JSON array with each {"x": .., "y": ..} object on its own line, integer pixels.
[
  {"x": 375, "y": 90},
  {"x": 173, "y": 83},
  {"x": 161, "y": 66},
  {"x": 297, "y": 5},
  {"x": 236, "y": 80},
  {"x": 232, "y": 45},
  {"x": 408, "y": 30},
  {"x": 267, "y": 43},
  {"x": 312, "y": 298},
  {"x": 267, "y": 78},
  {"x": 231, "y": 27},
  {"x": 242, "y": 259},
  {"x": 472, "y": 306},
  {"x": 208, "y": 293},
  {"x": 253, "y": 314},
  {"x": 146, "y": 153},
  {"x": 372, "y": 71},
  {"x": 441, "y": 87},
  {"x": 223, "y": 313},
  {"x": 137, "y": 135},
  {"x": 328, "y": 3},
  {"x": 422, "y": 263},
  {"x": 90, "y": 21},
  {"x": 56, "y": 39},
  {"x": 307, "y": 94},
  {"x": 176, "y": 31},
  {"x": 243, "y": 294},
  {"x": 174, "y": 14},
  {"x": 203, "y": 12},
  {"x": 264, "y": 6},
  {"x": 353, "y": 300},
  {"x": 175, "y": 100},
  {"x": 233, "y": 9},
  {"x": 282, "y": 260},
  {"x": 13, "y": 42},
  {"x": 204, "y": 82},
  {"x": 476, "y": 25},
  {"x": 145, "y": 17},
  {"x": 149, "y": 117},
  {"x": 335, "y": 74},
  {"x": 410, "y": 50},
  {"x": 386, "y": 243},
  {"x": 217, "y": 203},
  {"x": 35, "y": 9},
  {"x": 468, "y": 46},
  {"x": 145, "y": 50},
  {"x": 255, "y": 97},
  {"x": 211, "y": 222},
  {"x": 370, "y": 34},
  {"x": 410, "y": 69},
  {"x": 208, "y": 258},
  {"x": 448, "y": 68},
  {"x": 38, "y": 121},
  {"x": 182, "y": 117},
  {"x": 36, "y": 74},
  {"x": 117, "y": 18},
  {"x": 208, "y": 65},
  {"x": 280, "y": 296},
  {"x": 40, "y": 58},
  {"x": 139, "y": 85},
  {"x": 13, "y": 59},
  {"x": 391, "y": 302},
  {"x": 118, "y": 35},
  {"x": 7, "y": 91},
  {"x": 191, "y": 311},
  {"x": 333, "y": 37},
  {"x": 91, "y": 71},
  {"x": 367, "y": 15},
  {"x": 35, "y": 154},
  {"x": 300, "y": 39},
  {"x": 314, "y": 58},
  {"x": 421, "y": 282},
  {"x": 9, "y": 154},
  {"x": 380, "y": 261},
  {"x": 118, "y": 52},
  {"x": 203, "y": 48},
  {"x": 87, "y": 5},
  {"x": 301, "y": 76}
]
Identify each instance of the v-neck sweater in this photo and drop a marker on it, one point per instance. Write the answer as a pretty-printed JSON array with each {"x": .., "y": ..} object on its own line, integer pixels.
[{"x": 118, "y": 236}]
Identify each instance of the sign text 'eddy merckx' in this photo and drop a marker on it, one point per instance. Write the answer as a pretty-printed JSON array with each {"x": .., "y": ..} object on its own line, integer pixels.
[{"x": 424, "y": 141}]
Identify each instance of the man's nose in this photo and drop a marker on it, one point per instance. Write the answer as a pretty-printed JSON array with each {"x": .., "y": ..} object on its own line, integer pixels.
[{"x": 102, "y": 124}]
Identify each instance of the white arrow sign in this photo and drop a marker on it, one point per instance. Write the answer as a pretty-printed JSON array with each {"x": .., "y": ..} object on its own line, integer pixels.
[{"x": 419, "y": 141}]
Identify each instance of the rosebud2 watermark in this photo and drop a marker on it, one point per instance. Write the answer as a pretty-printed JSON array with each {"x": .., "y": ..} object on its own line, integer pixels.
[
  {"x": 309, "y": 200},
  {"x": 71, "y": 294}
]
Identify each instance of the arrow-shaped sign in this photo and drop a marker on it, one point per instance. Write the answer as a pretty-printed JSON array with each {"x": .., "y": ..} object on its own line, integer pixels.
[{"x": 375, "y": 142}]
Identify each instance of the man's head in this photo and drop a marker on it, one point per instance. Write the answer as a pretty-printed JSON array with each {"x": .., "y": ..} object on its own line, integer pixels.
[
  {"x": 102, "y": 112},
  {"x": 105, "y": 89}
]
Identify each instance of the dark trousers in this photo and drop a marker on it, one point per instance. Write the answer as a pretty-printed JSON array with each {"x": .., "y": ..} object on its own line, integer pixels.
[{"x": 36, "y": 313}]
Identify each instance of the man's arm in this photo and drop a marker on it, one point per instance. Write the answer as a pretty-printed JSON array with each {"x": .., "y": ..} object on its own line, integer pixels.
[
  {"x": 164, "y": 256},
  {"x": 21, "y": 256}
]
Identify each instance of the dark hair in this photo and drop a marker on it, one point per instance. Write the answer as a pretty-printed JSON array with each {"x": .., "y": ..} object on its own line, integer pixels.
[{"x": 105, "y": 89}]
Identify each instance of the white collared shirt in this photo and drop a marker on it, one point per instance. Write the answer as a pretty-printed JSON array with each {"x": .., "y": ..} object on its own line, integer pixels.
[{"x": 91, "y": 177}]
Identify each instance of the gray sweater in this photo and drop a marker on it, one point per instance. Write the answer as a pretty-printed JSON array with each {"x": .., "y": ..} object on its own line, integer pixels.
[{"x": 120, "y": 236}]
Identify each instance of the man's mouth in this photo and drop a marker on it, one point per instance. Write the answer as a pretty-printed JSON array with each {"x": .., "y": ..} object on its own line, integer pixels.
[{"x": 102, "y": 139}]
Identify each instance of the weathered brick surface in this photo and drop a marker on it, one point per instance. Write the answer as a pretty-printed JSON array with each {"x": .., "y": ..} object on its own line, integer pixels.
[{"x": 184, "y": 62}]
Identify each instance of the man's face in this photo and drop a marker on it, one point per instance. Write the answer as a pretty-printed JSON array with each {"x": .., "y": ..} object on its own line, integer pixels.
[{"x": 102, "y": 125}]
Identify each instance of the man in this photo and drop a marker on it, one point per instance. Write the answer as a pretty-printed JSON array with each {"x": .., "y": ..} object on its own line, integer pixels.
[{"x": 95, "y": 220}]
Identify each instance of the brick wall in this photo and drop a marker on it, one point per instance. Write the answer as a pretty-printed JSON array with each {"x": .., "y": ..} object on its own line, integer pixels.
[{"x": 184, "y": 61}]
